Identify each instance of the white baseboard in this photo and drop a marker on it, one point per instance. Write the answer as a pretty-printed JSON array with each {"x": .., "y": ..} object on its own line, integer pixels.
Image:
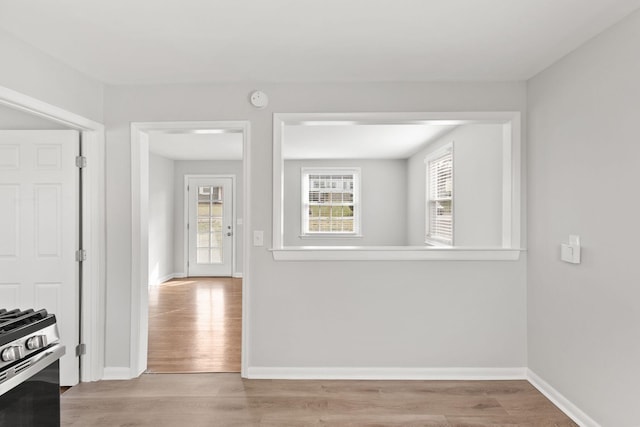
[
  {"x": 163, "y": 279},
  {"x": 117, "y": 373},
  {"x": 564, "y": 404},
  {"x": 261, "y": 372},
  {"x": 160, "y": 280},
  {"x": 166, "y": 278}
]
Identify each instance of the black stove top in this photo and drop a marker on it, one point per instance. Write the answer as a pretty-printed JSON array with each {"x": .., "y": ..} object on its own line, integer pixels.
[
  {"x": 30, "y": 350},
  {"x": 17, "y": 323}
]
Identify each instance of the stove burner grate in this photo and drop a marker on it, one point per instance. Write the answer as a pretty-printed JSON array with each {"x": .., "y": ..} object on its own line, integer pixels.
[{"x": 12, "y": 319}]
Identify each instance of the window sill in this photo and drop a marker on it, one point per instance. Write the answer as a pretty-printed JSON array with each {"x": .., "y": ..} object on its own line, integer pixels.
[
  {"x": 437, "y": 244},
  {"x": 393, "y": 253},
  {"x": 330, "y": 236}
]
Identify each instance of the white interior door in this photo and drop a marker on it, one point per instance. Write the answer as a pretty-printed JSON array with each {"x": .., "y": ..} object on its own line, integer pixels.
[
  {"x": 210, "y": 226},
  {"x": 39, "y": 230}
]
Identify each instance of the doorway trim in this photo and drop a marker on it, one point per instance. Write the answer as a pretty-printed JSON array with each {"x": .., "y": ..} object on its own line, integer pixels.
[
  {"x": 234, "y": 215},
  {"x": 92, "y": 312},
  {"x": 140, "y": 226}
]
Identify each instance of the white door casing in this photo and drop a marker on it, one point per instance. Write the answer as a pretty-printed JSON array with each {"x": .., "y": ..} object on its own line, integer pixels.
[
  {"x": 139, "y": 221},
  {"x": 210, "y": 230},
  {"x": 39, "y": 202}
]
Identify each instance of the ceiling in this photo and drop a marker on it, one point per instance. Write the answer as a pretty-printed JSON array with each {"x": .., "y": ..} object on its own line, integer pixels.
[
  {"x": 322, "y": 141},
  {"x": 196, "y": 146},
  {"x": 340, "y": 141},
  {"x": 192, "y": 41}
]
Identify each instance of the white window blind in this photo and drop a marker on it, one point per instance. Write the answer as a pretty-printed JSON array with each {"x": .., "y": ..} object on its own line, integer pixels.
[
  {"x": 440, "y": 197},
  {"x": 330, "y": 202}
]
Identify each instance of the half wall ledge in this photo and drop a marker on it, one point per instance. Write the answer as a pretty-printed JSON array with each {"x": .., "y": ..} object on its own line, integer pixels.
[{"x": 392, "y": 253}]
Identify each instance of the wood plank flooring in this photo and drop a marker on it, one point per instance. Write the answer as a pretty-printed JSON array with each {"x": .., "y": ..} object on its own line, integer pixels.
[
  {"x": 227, "y": 400},
  {"x": 195, "y": 325}
]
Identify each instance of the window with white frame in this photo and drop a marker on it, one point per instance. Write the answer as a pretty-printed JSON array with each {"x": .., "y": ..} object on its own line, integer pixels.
[
  {"x": 439, "y": 206},
  {"x": 331, "y": 202}
]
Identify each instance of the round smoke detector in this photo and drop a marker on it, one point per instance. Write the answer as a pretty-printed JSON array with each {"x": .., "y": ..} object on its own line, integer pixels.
[{"x": 259, "y": 99}]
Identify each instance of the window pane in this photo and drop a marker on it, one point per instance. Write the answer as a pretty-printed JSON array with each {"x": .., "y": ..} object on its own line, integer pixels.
[
  {"x": 216, "y": 209},
  {"x": 440, "y": 177},
  {"x": 331, "y": 203},
  {"x": 202, "y": 256},
  {"x": 216, "y": 255},
  {"x": 216, "y": 240},
  {"x": 203, "y": 240},
  {"x": 203, "y": 209},
  {"x": 209, "y": 233},
  {"x": 203, "y": 233},
  {"x": 324, "y": 225}
]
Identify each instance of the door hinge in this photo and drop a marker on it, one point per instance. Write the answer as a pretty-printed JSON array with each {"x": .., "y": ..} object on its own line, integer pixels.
[
  {"x": 81, "y": 255},
  {"x": 81, "y": 161},
  {"x": 81, "y": 350}
]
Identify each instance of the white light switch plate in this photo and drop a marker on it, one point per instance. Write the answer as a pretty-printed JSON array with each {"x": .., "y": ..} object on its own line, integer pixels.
[
  {"x": 570, "y": 252},
  {"x": 258, "y": 238}
]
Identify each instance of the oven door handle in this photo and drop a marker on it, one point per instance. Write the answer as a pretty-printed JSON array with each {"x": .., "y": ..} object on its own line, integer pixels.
[{"x": 25, "y": 369}]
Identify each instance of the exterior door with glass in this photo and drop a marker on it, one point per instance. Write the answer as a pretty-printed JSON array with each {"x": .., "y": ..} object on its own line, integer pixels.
[{"x": 210, "y": 226}]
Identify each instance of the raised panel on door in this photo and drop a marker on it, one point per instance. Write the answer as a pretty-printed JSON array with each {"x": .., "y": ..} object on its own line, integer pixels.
[
  {"x": 9, "y": 220},
  {"x": 9, "y": 294},
  {"x": 9, "y": 156},
  {"x": 39, "y": 212},
  {"x": 48, "y": 223},
  {"x": 48, "y": 295}
]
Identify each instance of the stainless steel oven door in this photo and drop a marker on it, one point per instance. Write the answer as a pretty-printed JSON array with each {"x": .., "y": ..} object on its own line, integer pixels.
[{"x": 30, "y": 395}]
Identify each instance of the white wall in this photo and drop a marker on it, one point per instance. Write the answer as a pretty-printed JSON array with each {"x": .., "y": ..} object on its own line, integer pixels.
[
  {"x": 34, "y": 73},
  {"x": 477, "y": 160},
  {"x": 323, "y": 314},
  {"x": 383, "y": 201},
  {"x": 205, "y": 167},
  {"x": 161, "y": 218},
  {"x": 584, "y": 152}
]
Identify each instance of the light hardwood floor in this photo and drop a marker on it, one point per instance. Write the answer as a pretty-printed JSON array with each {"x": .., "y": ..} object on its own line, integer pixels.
[
  {"x": 196, "y": 400},
  {"x": 195, "y": 325}
]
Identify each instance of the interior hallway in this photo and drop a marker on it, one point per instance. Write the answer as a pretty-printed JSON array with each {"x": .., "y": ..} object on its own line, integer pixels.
[{"x": 195, "y": 325}]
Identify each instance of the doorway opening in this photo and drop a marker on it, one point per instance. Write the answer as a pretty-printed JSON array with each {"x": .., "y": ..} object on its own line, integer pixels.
[
  {"x": 190, "y": 203},
  {"x": 70, "y": 217}
]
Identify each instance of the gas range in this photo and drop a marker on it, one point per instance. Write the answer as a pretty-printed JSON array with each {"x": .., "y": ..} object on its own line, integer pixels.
[
  {"x": 22, "y": 334},
  {"x": 29, "y": 342}
]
